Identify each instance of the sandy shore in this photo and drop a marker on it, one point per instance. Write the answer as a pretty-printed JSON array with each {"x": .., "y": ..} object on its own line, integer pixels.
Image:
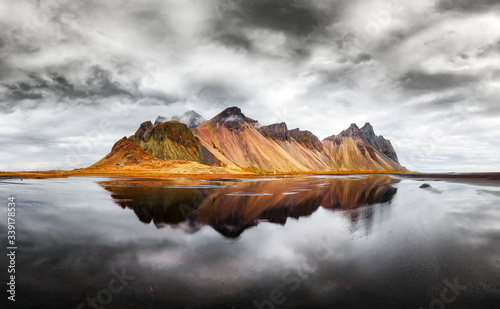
[
  {"x": 487, "y": 179},
  {"x": 123, "y": 173}
]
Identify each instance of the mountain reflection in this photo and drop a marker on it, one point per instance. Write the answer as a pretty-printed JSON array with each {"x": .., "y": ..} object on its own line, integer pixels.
[{"x": 231, "y": 206}]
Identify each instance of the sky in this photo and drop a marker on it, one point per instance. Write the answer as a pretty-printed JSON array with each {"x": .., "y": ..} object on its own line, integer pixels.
[{"x": 76, "y": 76}]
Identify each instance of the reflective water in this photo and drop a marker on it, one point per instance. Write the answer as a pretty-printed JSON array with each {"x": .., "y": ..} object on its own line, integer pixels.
[{"x": 304, "y": 242}]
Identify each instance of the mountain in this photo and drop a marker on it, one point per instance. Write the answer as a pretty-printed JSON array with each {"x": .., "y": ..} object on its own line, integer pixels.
[
  {"x": 357, "y": 150},
  {"x": 379, "y": 142},
  {"x": 304, "y": 149},
  {"x": 236, "y": 142},
  {"x": 233, "y": 119},
  {"x": 169, "y": 140},
  {"x": 280, "y": 132},
  {"x": 190, "y": 118},
  {"x": 160, "y": 119},
  {"x": 172, "y": 140}
]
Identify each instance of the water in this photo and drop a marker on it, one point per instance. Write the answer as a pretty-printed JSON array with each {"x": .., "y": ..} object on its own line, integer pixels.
[{"x": 304, "y": 242}]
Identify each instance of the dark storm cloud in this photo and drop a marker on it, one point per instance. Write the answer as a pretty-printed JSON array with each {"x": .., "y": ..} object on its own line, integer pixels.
[
  {"x": 355, "y": 58},
  {"x": 238, "y": 41},
  {"x": 363, "y": 57},
  {"x": 40, "y": 88},
  {"x": 294, "y": 17},
  {"x": 100, "y": 84},
  {"x": 448, "y": 105},
  {"x": 419, "y": 81},
  {"x": 97, "y": 85},
  {"x": 303, "y": 24},
  {"x": 467, "y": 5}
]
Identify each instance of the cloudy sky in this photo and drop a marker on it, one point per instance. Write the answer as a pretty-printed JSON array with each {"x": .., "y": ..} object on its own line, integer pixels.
[{"x": 76, "y": 76}]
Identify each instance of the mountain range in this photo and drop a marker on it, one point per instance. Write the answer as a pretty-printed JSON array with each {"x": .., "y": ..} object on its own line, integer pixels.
[{"x": 233, "y": 141}]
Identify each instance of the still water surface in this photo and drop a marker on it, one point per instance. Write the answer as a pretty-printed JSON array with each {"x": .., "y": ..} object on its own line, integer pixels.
[{"x": 303, "y": 242}]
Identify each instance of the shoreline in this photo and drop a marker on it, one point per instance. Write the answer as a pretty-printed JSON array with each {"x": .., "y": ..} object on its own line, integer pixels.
[
  {"x": 148, "y": 174},
  {"x": 480, "y": 178}
]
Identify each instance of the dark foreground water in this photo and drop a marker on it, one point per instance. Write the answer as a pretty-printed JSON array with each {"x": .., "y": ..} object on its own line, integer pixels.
[{"x": 305, "y": 242}]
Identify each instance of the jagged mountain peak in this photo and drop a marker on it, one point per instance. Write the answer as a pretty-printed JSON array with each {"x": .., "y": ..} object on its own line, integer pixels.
[
  {"x": 190, "y": 118},
  {"x": 368, "y": 129},
  {"x": 232, "y": 118},
  {"x": 306, "y": 138},
  {"x": 353, "y": 131},
  {"x": 279, "y": 125},
  {"x": 275, "y": 126},
  {"x": 361, "y": 136},
  {"x": 160, "y": 119},
  {"x": 368, "y": 133},
  {"x": 379, "y": 142},
  {"x": 233, "y": 114},
  {"x": 233, "y": 110},
  {"x": 173, "y": 130},
  {"x": 385, "y": 146},
  {"x": 279, "y": 131},
  {"x": 368, "y": 125},
  {"x": 276, "y": 131},
  {"x": 366, "y": 136}
]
